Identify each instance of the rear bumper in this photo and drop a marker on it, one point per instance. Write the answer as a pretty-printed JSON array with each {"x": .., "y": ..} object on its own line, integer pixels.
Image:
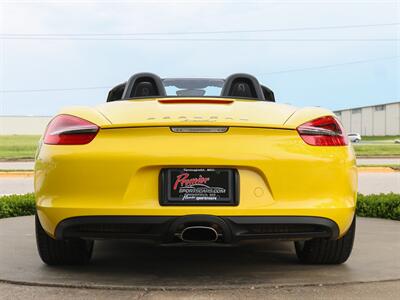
[
  {"x": 117, "y": 174},
  {"x": 55, "y": 220},
  {"x": 166, "y": 229}
]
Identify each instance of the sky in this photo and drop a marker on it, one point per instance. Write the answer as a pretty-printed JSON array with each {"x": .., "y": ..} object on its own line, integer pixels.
[{"x": 334, "y": 54}]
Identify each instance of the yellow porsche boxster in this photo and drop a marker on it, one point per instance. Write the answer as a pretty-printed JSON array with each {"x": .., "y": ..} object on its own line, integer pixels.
[{"x": 195, "y": 162}]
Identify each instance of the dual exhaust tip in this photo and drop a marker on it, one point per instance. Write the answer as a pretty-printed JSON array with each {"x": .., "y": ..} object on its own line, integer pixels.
[{"x": 199, "y": 234}]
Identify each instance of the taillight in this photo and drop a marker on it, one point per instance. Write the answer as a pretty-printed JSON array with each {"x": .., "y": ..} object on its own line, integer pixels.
[
  {"x": 70, "y": 130},
  {"x": 195, "y": 101},
  {"x": 324, "y": 131}
]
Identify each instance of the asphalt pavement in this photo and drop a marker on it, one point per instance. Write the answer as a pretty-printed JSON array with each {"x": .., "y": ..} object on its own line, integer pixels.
[
  {"x": 11, "y": 184},
  {"x": 16, "y": 165},
  {"x": 123, "y": 264},
  {"x": 358, "y": 291},
  {"x": 376, "y": 183},
  {"x": 378, "y": 161}
]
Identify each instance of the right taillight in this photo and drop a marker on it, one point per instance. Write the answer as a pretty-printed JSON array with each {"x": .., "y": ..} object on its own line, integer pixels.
[
  {"x": 324, "y": 131},
  {"x": 70, "y": 130}
]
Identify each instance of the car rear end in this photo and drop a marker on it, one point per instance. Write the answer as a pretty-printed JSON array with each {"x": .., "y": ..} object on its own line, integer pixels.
[{"x": 196, "y": 180}]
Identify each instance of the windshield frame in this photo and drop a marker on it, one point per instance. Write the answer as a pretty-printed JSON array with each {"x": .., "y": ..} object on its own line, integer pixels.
[{"x": 193, "y": 85}]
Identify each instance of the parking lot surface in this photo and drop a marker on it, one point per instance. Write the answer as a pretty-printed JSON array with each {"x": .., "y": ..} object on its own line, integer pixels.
[
  {"x": 362, "y": 291},
  {"x": 128, "y": 265}
]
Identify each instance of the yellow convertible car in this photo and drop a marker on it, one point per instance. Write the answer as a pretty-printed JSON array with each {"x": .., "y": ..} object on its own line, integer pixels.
[{"x": 184, "y": 161}]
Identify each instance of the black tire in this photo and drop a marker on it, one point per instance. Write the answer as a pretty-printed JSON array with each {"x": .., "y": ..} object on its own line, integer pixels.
[
  {"x": 324, "y": 251},
  {"x": 62, "y": 252}
]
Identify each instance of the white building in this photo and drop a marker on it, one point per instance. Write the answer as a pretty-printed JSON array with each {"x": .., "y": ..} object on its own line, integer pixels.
[
  {"x": 382, "y": 119},
  {"x": 23, "y": 124}
]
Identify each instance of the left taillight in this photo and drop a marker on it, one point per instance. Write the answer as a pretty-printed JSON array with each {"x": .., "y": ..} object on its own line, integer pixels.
[
  {"x": 324, "y": 131},
  {"x": 70, "y": 130}
]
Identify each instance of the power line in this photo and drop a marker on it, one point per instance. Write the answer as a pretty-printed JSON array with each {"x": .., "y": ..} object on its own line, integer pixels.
[
  {"x": 330, "y": 66},
  {"x": 208, "y": 40},
  {"x": 197, "y": 32},
  {"x": 55, "y": 90},
  {"x": 263, "y": 74},
  {"x": 183, "y": 2}
]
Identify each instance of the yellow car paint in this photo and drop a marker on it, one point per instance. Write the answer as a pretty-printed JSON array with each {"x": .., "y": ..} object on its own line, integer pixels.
[{"x": 117, "y": 173}]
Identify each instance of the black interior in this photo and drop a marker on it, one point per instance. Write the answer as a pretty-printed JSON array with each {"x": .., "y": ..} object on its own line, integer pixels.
[
  {"x": 242, "y": 86},
  {"x": 116, "y": 93},
  {"x": 268, "y": 94},
  {"x": 143, "y": 85},
  {"x": 144, "y": 88}
]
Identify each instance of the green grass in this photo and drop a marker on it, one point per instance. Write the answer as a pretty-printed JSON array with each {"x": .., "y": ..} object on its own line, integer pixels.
[
  {"x": 18, "y": 146},
  {"x": 377, "y": 150},
  {"x": 380, "y": 138}
]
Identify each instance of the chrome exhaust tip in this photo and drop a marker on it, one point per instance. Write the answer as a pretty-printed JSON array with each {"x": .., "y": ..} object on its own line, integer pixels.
[{"x": 199, "y": 234}]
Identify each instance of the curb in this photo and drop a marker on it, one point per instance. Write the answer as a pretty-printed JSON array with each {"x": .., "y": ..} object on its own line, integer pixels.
[
  {"x": 362, "y": 169},
  {"x": 378, "y": 157},
  {"x": 189, "y": 288},
  {"x": 16, "y": 174}
]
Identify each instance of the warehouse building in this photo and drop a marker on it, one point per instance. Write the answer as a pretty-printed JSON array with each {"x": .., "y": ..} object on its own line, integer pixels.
[
  {"x": 378, "y": 120},
  {"x": 23, "y": 124}
]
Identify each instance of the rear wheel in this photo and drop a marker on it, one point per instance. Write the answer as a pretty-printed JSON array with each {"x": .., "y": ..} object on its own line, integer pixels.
[
  {"x": 324, "y": 251},
  {"x": 62, "y": 252}
]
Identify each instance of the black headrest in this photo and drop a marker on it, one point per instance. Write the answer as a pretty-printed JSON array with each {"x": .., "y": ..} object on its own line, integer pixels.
[
  {"x": 144, "y": 89},
  {"x": 144, "y": 85},
  {"x": 116, "y": 92},
  {"x": 242, "y": 86},
  {"x": 242, "y": 89},
  {"x": 268, "y": 94}
]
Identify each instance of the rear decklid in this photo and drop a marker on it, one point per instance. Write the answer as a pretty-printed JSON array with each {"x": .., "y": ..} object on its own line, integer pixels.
[{"x": 195, "y": 111}]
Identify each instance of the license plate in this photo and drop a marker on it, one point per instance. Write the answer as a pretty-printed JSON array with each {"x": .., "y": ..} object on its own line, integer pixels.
[{"x": 199, "y": 186}]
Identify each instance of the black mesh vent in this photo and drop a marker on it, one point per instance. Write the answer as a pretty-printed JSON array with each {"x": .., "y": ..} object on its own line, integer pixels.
[{"x": 283, "y": 228}]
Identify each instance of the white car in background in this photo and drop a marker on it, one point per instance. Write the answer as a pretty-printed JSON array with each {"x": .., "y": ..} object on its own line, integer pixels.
[{"x": 354, "y": 137}]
